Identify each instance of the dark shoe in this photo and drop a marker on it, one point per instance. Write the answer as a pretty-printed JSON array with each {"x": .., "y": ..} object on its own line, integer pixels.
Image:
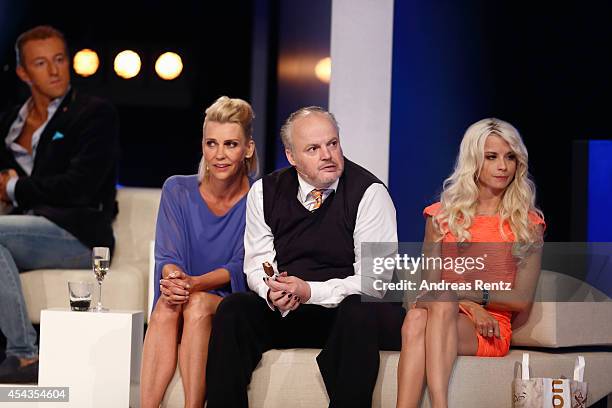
[
  {"x": 11, "y": 372},
  {"x": 8, "y": 367}
]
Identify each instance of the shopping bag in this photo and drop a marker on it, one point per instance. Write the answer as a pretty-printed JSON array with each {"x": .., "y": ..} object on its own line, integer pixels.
[{"x": 549, "y": 392}]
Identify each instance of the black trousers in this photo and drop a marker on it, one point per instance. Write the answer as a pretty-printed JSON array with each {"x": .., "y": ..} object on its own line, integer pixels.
[{"x": 350, "y": 335}]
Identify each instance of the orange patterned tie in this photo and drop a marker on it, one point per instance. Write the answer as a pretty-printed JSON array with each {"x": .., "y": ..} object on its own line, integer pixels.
[{"x": 318, "y": 196}]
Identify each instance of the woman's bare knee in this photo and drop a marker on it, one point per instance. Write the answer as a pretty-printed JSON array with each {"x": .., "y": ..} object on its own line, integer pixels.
[
  {"x": 200, "y": 306},
  {"x": 163, "y": 313},
  {"x": 414, "y": 325},
  {"x": 447, "y": 310}
]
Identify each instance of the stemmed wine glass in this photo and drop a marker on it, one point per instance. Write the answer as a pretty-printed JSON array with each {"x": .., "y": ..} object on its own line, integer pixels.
[{"x": 100, "y": 260}]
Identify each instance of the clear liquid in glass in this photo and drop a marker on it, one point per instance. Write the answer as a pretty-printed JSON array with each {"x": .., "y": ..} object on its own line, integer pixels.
[
  {"x": 100, "y": 267},
  {"x": 100, "y": 259}
]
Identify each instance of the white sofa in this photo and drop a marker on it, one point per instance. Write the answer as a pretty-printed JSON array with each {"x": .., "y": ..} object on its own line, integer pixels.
[
  {"x": 291, "y": 378},
  {"x": 125, "y": 286}
]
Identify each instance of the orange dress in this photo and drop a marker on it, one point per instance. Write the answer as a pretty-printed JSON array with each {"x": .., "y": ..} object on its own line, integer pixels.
[{"x": 500, "y": 267}]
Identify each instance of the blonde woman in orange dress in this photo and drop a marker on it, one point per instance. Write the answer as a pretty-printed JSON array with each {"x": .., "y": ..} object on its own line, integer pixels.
[{"x": 488, "y": 198}]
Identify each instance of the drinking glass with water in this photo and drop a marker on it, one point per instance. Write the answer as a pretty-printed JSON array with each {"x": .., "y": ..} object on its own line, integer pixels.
[{"x": 80, "y": 295}]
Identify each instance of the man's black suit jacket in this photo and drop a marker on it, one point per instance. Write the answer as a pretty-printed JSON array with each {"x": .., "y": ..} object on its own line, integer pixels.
[{"x": 73, "y": 179}]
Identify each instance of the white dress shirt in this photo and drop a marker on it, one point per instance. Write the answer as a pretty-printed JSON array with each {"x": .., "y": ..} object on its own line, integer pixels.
[{"x": 375, "y": 222}]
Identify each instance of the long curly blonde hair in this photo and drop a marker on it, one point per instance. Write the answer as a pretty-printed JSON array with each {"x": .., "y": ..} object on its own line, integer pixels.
[{"x": 459, "y": 198}]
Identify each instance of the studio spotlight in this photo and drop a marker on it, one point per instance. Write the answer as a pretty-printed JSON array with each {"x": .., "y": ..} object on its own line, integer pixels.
[
  {"x": 323, "y": 70},
  {"x": 86, "y": 62},
  {"x": 127, "y": 64},
  {"x": 169, "y": 66}
]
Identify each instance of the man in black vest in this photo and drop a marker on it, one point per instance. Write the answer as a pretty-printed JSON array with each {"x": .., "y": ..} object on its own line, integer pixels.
[
  {"x": 309, "y": 221},
  {"x": 58, "y": 153}
]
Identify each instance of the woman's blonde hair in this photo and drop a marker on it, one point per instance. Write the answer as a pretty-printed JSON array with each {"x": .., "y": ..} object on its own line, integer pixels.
[
  {"x": 231, "y": 110},
  {"x": 459, "y": 196}
]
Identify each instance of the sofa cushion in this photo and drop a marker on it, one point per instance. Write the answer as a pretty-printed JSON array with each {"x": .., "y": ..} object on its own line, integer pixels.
[
  {"x": 134, "y": 227},
  {"x": 290, "y": 378},
  {"x": 125, "y": 286},
  {"x": 584, "y": 320}
]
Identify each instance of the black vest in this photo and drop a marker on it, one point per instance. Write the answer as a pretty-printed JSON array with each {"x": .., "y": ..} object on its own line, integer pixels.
[{"x": 315, "y": 246}]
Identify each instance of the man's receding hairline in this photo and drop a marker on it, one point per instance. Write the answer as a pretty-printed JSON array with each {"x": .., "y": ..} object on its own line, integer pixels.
[{"x": 310, "y": 114}]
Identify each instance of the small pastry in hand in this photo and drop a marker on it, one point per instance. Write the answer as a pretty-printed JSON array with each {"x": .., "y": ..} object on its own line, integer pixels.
[{"x": 269, "y": 269}]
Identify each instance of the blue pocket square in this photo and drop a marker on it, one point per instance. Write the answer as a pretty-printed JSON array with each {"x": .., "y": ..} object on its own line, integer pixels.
[{"x": 57, "y": 136}]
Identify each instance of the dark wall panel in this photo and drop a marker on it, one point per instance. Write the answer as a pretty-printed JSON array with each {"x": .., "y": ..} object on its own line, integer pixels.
[
  {"x": 304, "y": 32},
  {"x": 543, "y": 67}
]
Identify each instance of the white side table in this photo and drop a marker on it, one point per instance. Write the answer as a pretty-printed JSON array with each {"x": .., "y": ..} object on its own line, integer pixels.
[{"x": 97, "y": 355}]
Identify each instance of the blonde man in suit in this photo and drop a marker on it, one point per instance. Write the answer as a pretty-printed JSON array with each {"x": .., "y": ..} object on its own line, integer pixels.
[{"x": 58, "y": 161}]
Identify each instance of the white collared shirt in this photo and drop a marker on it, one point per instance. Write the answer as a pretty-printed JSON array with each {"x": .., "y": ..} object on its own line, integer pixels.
[
  {"x": 375, "y": 222},
  {"x": 305, "y": 193}
]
